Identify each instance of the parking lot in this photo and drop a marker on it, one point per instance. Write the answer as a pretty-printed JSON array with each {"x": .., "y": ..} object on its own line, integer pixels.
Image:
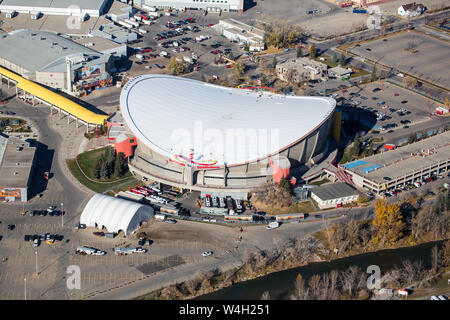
[
  {"x": 390, "y": 111},
  {"x": 171, "y": 246},
  {"x": 411, "y": 52},
  {"x": 203, "y": 53}
]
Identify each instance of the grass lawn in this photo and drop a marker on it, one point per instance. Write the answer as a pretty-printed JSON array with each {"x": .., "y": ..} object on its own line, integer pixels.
[
  {"x": 328, "y": 61},
  {"x": 84, "y": 169}
]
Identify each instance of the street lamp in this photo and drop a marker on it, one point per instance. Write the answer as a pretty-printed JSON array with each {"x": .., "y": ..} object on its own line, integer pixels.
[{"x": 36, "y": 262}]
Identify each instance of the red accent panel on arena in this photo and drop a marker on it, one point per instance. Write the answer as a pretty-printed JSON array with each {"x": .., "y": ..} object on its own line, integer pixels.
[{"x": 126, "y": 146}]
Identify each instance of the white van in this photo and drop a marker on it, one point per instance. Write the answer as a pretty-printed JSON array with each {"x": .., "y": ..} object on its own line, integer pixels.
[{"x": 160, "y": 217}]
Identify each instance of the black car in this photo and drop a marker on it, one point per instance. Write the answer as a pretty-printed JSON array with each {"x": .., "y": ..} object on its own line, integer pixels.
[
  {"x": 35, "y": 236},
  {"x": 141, "y": 241},
  {"x": 387, "y": 178},
  {"x": 11, "y": 227},
  {"x": 58, "y": 237},
  {"x": 27, "y": 237}
]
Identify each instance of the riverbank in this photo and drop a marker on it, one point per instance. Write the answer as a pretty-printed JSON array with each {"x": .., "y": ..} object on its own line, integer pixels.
[{"x": 282, "y": 285}]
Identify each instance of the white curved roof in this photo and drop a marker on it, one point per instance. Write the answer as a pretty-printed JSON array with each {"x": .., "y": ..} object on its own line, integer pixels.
[
  {"x": 114, "y": 214},
  {"x": 174, "y": 115}
]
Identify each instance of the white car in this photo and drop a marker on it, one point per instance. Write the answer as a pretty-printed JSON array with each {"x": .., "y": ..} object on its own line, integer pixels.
[
  {"x": 207, "y": 253},
  {"x": 36, "y": 243}
]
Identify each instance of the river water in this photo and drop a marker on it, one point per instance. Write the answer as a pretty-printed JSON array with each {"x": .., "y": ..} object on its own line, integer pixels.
[{"x": 281, "y": 284}]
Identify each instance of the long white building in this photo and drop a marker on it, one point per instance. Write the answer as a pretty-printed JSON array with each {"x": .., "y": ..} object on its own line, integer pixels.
[
  {"x": 93, "y": 8},
  {"x": 210, "y": 5}
]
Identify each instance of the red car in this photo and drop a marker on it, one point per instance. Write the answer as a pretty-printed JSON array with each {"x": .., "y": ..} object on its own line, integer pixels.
[
  {"x": 186, "y": 49},
  {"x": 228, "y": 66}
]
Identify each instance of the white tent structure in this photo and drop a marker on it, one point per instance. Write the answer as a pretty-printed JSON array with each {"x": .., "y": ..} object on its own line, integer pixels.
[{"x": 115, "y": 214}]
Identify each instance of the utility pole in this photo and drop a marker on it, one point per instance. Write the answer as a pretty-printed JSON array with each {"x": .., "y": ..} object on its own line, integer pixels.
[{"x": 36, "y": 263}]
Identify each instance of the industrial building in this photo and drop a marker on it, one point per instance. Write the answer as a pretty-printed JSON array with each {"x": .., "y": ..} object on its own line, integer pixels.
[
  {"x": 222, "y": 140},
  {"x": 55, "y": 61},
  {"x": 300, "y": 69},
  {"x": 340, "y": 73},
  {"x": 242, "y": 33},
  {"x": 104, "y": 46},
  {"x": 114, "y": 33},
  {"x": 79, "y": 8},
  {"x": 209, "y": 5},
  {"x": 405, "y": 165},
  {"x": 119, "y": 10},
  {"x": 334, "y": 195},
  {"x": 17, "y": 163},
  {"x": 115, "y": 214}
]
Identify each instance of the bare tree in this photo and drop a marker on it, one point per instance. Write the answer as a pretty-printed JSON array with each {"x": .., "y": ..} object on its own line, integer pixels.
[
  {"x": 314, "y": 286},
  {"x": 301, "y": 292},
  {"x": 265, "y": 295},
  {"x": 350, "y": 280}
]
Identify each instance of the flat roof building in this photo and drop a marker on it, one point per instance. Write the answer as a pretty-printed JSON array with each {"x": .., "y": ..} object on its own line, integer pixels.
[
  {"x": 300, "y": 69},
  {"x": 93, "y": 8},
  {"x": 115, "y": 33},
  {"x": 17, "y": 161},
  {"x": 334, "y": 195},
  {"x": 394, "y": 169},
  {"x": 45, "y": 57},
  {"x": 104, "y": 46},
  {"x": 238, "y": 31},
  {"x": 225, "y": 5},
  {"x": 339, "y": 72}
]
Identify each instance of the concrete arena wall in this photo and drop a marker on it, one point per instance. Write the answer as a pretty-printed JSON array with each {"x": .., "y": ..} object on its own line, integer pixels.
[{"x": 242, "y": 176}]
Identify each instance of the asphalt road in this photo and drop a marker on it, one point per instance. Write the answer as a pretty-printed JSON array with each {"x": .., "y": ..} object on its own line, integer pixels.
[{"x": 70, "y": 194}]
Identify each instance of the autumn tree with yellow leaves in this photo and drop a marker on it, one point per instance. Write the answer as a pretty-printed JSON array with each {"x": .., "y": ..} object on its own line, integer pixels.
[{"x": 387, "y": 222}]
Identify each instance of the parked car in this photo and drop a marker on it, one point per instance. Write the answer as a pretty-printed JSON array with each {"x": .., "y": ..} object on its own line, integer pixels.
[
  {"x": 207, "y": 253},
  {"x": 27, "y": 237},
  {"x": 172, "y": 221},
  {"x": 99, "y": 234},
  {"x": 36, "y": 243},
  {"x": 11, "y": 227}
]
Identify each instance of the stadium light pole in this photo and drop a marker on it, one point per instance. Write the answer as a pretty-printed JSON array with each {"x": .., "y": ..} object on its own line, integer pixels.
[
  {"x": 36, "y": 262},
  {"x": 62, "y": 214}
]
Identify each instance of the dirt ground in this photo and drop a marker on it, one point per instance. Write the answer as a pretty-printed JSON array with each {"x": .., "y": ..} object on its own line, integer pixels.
[{"x": 188, "y": 231}]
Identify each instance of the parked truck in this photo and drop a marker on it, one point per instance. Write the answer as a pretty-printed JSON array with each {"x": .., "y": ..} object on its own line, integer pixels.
[
  {"x": 125, "y": 24},
  {"x": 130, "y": 250},
  {"x": 90, "y": 251}
]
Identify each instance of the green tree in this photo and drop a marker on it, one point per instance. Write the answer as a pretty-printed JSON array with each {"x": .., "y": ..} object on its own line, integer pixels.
[
  {"x": 97, "y": 168},
  {"x": 342, "y": 60},
  {"x": 284, "y": 184},
  {"x": 1, "y": 95},
  {"x": 178, "y": 66},
  {"x": 373, "y": 76},
  {"x": 239, "y": 69},
  {"x": 335, "y": 58},
  {"x": 412, "y": 138},
  {"x": 119, "y": 168},
  {"x": 299, "y": 52},
  {"x": 274, "y": 62},
  {"x": 356, "y": 147},
  {"x": 264, "y": 81},
  {"x": 246, "y": 47}
]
